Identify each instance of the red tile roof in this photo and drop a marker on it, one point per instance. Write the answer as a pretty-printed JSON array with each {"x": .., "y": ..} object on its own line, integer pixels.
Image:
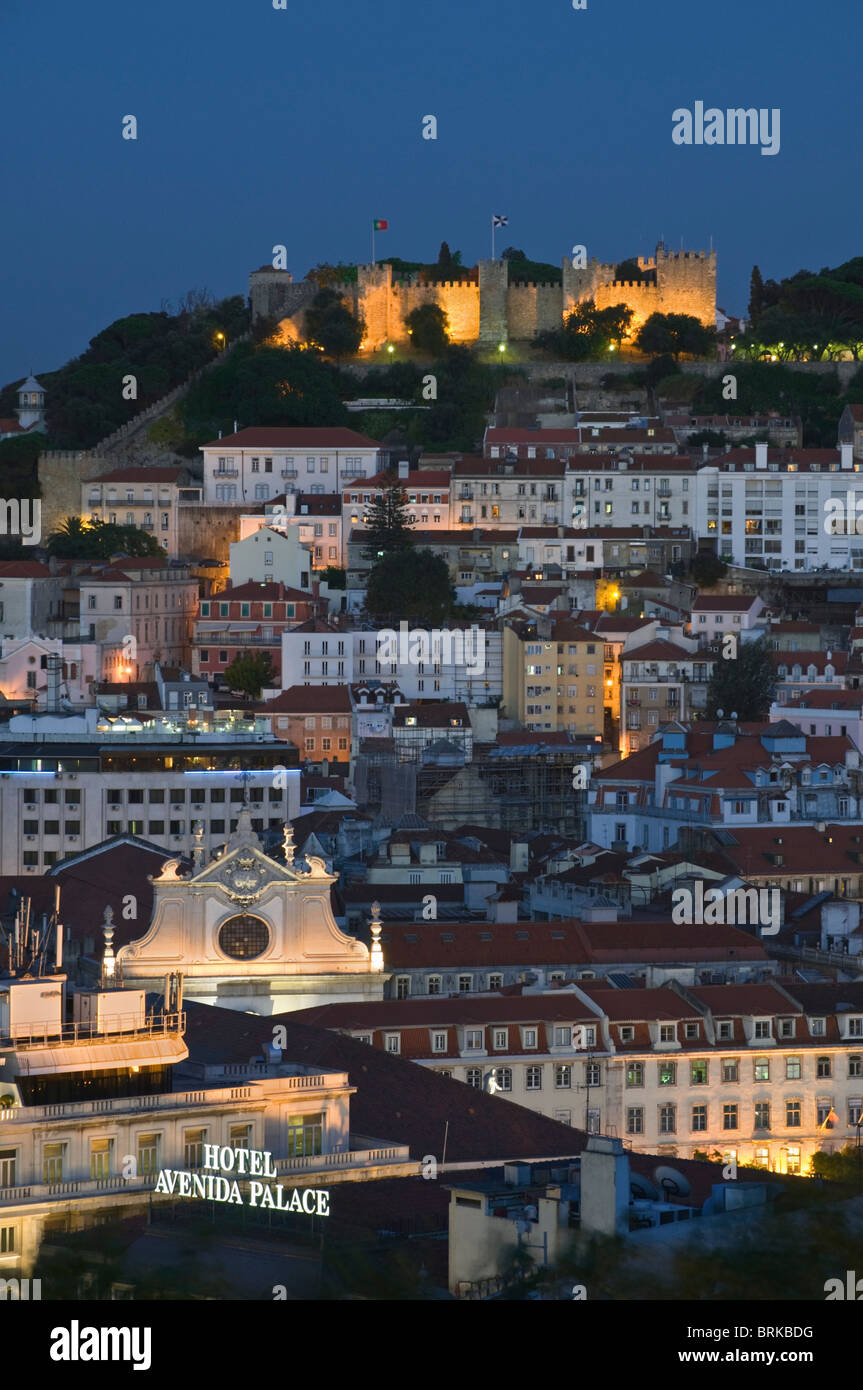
[
  {"x": 309, "y": 699},
  {"x": 294, "y": 437}
]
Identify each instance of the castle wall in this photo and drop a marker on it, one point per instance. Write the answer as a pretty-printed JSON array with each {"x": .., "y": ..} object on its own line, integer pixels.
[
  {"x": 61, "y": 473},
  {"x": 532, "y": 309},
  {"x": 494, "y": 311}
]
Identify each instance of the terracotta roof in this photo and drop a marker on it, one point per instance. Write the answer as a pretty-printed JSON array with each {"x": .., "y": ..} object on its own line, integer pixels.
[
  {"x": 431, "y": 716},
  {"x": 24, "y": 569},
  {"x": 309, "y": 699},
  {"x": 662, "y": 650},
  {"x": 293, "y": 437},
  {"x": 724, "y": 603}
]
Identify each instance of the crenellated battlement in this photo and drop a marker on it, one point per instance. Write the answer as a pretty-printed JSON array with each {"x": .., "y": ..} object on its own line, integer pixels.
[{"x": 494, "y": 309}]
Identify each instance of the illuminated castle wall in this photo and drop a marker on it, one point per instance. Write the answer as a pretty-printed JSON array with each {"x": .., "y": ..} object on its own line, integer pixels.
[{"x": 493, "y": 310}]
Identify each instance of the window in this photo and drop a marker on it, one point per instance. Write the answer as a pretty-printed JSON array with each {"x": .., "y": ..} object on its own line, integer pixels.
[
  {"x": 699, "y": 1118},
  {"x": 786, "y": 1028},
  {"x": 627, "y": 1034},
  {"x": 465, "y": 984},
  {"x": 762, "y": 1069},
  {"x": 495, "y": 982},
  {"x": 8, "y": 1159},
  {"x": 762, "y": 1028},
  {"x": 473, "y": 1077},
  {"x": 635, "y": 1120},
  {"x": 824, "y": 1067},
  {"x": 438, "y": 1042},
  {"x": 762, "y": 1114},
  {"x": 503, "y": 1077},
  {"x": 668, "y": 1073},
  {"x": 392, "y": 1042},
  {"x": 500, "y": 1039},
  {"x": 592, "y": 1074},
  {"x": 148, "y": 1155},
  {"x": 855, "y": 1065},
  {"x": 563, "y": 1037},
  {"x": 792, "y": 1114},
  {"x": 792, "y": 1069},
  {"x": 855, "y": 1109},
  {"x": 101, "y": 1152},
  {"x": 729, "y": 1116},
  {"x": 473, "y": 1039},
  {"x": 691, "y": 1030},
  {"x": 635, "y": 1074},
  {"x": 434, "y": 984},
  {"x": 667, "y": 1032},
  {"x": 533, "y": 1078},
  {"x": 529, "y": 1037},
  {"x": 724, "y": 1031},
  {"x": 698, "y": 1073},
  {"x": 193, "y": 1147},
  {"x": 7, "y": 1240},
  {"x": 403, "y": 986},
  {"x": 562, "y": 1078},
  {"x": 305, "y": 1135},
  {"x": 667, "y": 1119}
]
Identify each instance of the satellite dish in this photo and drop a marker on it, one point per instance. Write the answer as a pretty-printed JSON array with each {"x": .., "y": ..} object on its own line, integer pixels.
[
  {"x": 672, "y": 1182},
  {"x": 720, "y": 714},
  {"x": 734, "y": 714},
  {"x": 642, "y": 1187}
]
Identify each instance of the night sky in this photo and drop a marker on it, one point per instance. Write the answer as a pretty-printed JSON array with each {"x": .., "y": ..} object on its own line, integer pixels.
[{"x": 259, "y": 126}]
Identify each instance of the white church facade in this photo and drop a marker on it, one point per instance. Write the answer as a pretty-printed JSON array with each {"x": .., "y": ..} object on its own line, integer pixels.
[{"x": 252, "y": 934}]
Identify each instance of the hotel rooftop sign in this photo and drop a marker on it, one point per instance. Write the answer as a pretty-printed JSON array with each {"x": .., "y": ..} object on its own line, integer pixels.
[{"x": 248, "y": 1163}]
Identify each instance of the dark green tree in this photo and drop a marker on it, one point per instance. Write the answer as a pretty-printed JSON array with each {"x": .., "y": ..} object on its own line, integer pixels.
[
  {"x": 388, "y": 525},
  {"x": 631, "y": 270},
  {"x": 756, "y": 295},
  {"x": 250, "y": 672},
  {"x": 587, "y": 333},
  {"x": 427, "y": 326},
  {"x": 331, "y": 325},
  {"x": 75, "y": 539},
  {"x": 675, "y": 334},
  {"x": 410, "y": 584},
  {"x": 743, "y": 682},
  {"x": 707, "y": 569}
]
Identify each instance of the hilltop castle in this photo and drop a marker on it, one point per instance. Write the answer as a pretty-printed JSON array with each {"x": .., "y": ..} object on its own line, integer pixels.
[{"x": 493, "y": 310}]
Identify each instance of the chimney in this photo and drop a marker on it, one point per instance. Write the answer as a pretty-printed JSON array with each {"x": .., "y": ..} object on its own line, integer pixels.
[
  {"x": 53, "y": 671},
  {"x": 605, "y": 1187},
  {"x": 847, "y": 453}
]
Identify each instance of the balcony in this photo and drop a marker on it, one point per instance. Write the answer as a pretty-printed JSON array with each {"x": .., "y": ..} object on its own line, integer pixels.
[
  {"x": 289, "y": 473},
  {"x": 159, "y": 1026},
  {"x": 227, "y": 473}
]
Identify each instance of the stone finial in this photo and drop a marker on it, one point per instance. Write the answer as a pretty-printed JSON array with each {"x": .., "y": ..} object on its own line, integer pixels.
[
  {"x": 108, "y": 959},
  {"x": 376, "y": 961},
  {"x": 198, "y": 851},
  {"x": 288, "y": 843}
]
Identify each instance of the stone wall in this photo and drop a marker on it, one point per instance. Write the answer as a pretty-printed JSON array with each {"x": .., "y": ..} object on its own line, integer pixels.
[
  {"x": 207, "y": 532},
  {"x": 61, "y": 473}
]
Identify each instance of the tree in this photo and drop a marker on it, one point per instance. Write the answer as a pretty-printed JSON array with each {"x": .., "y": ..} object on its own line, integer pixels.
[
  {"x": 743, "y": 682},
  {"x": 388, "y": 525},
  {"x": 675, "y": 334},
  {"x": 587, "y": 332},
  {"x": 631, "y": 270},
  {"x": 250, "y": 672},
  {"x": 756, "y": 294},
  {"x": 75, "y": 539},
  {"x": 334, "y": 577},
  {"x": 331, "y": 325},
  {"x": 410, "y": 584},
  {"x": 708, "y": 569},
  {"x": 427, "y": 325}
]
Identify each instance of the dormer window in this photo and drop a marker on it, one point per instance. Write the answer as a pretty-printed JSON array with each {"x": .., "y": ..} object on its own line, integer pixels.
[
  {"x": 627, "y": 1034},
  {"x": 786, "y": 1028},
  {"x": 667, "y": 1032},
  {"x": 762, "y": 1028}
]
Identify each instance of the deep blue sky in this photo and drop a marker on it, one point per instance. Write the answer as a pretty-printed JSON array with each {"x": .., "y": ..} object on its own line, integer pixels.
[{"x": 259, "y": 126}]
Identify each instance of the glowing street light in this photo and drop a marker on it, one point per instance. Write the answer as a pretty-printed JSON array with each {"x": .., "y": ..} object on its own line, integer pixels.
[{"x": 501, "y": 347}]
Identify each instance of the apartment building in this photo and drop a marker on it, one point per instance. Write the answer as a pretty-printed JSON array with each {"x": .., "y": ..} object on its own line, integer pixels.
[
  {"x": 148, "y": 498},
  {"x": 630, "y": 489},
  {"x": 716, "y": 615},
  {"x": 139, "y": 611},
  {"x": 462, "y": 663},
  {"x": 427, "y": 498},
  {"x": 776, "y": 508},
  {"x": 823, "y": 713},
  {"x": 315, "y": 719},
  {"x": 70, "y": 781},
  {"x": 270, "y": 554},
  {"x": 246, "y": 619},
  {"x": 600, "y": 437},
  {"x": 662, "y": 679},
  {"x": 723, "y": 775},
  {"x": 553, "y": 676},
  {"x": 259, "y": 463},
  {"x": 316, "y": 517},
  {"x": 497, "y": 491},
  {"x": 762, "y": 1073}
]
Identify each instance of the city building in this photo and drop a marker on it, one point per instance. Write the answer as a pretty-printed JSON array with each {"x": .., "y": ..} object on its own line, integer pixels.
[
  {"x": 245, "y": 619},
  {"x": 147, "y": 498},
  {"x": 259, "y": 463}
]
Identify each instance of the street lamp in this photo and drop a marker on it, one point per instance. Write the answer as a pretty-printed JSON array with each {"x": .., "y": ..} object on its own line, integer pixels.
[{"x": 220, "y": 339}]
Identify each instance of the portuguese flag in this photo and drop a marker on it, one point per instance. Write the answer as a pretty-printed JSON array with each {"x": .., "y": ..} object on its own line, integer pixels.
[{"x": 380, "y": 226}]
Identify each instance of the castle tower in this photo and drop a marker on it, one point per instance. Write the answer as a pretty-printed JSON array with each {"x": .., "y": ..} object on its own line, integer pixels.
[
  {"x": 374, "y": 297},
  {"x": 493, "y": 286},
  {"x": 31, "y": 405},
  {"x": 686, "y": 281}
]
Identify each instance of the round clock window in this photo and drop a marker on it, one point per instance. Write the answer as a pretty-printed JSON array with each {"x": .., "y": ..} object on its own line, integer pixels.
[{"x": 244, "y": 937}]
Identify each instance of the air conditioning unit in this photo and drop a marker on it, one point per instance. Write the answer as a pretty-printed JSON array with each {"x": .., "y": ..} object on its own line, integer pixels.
[
  {"x": 115, "y": 806},
  {"x": 73, "y": 776},
  {"x": 29, "y": 868},
  {"x": 30, "y": 806},
  {"x": 29, "y": 837},
  {"x": 198, "y": 806}
]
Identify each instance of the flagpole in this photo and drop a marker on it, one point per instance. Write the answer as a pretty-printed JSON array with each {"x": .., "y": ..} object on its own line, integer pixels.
[
  {"x": 374, "y": 262},
  {"x": 492, "y": 237}
]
